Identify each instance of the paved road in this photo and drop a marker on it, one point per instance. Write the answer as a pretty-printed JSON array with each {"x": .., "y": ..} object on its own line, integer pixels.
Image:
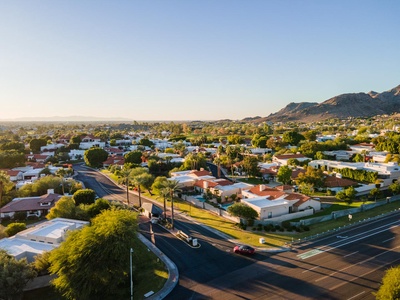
[{"x": 348, "y": 265}]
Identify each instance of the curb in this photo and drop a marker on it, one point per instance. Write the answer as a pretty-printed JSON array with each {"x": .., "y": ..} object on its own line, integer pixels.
[{"x": 173, "y": 274}]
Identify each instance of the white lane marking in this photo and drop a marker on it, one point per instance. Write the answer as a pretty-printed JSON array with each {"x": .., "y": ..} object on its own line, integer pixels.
[
  {"x": 388, "y": 240},
  {"x": 355, "y": 240},
  {"x": 310, "y": 269},
  {"x": 349, "y": 238},
  {"x": 359, "y": 263},
  {"x": 351, "y": 254},
  {"x": 355, "y": 296}
]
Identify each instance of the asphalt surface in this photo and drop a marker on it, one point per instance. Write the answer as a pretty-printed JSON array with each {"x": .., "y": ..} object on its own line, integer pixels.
[{"x": 349, "y": 265}]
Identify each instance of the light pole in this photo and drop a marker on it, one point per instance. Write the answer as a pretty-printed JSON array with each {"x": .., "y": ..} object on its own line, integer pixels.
[{"x": 130, "y": 264}]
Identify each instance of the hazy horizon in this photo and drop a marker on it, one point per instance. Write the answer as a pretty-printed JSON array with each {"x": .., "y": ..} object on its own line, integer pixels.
[{"x": 186, "y": 60}]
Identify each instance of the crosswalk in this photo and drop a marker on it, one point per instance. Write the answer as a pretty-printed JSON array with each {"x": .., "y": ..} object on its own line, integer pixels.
[{"x": 310, "y": 253}]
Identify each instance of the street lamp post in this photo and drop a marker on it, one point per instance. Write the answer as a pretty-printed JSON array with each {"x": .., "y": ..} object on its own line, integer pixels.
[{"x": 130, "y": 264}]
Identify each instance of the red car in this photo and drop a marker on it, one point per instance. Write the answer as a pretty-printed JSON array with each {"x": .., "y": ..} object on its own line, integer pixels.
[{"x": 244, "y": 250}]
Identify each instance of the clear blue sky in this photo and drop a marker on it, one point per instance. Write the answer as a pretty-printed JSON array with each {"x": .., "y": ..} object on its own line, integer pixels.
[{"x": 185, "y": 60}]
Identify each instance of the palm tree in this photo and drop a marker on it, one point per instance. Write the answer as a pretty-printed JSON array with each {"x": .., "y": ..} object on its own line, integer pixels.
[
  {"x": 138, "y": 182},
  {"x": 4, "y": 181},
  {"x": 165, "y": 192},
  {"x": 126, "y": 177},
  {"x": 172, "y": 186},
  {"x": 61, "y": 173}
]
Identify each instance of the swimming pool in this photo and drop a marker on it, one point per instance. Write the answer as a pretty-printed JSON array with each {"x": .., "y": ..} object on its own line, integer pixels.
[
  {"x": 226, "y": 205},
  {"x": 200, "y": 198}
]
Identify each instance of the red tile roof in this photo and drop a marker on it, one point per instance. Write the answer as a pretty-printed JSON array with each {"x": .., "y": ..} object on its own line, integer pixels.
[
  {"x": 333, "y": 181},
  {"x": 200, "y": 173}
]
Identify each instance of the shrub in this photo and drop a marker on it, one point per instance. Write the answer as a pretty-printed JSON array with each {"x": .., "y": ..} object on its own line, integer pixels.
[
  {"x": 250, "y": 222},
  {"x": 14, "y": 228}
]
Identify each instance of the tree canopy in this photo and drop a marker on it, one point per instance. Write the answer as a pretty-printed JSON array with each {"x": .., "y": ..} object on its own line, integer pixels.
[
  {"x": 284, "y": 174},
  {"x": 390, "y": 288},
  {"x": 93, "y": 263},
  {"x": 14, "y": 275},
  {"x": 242, "y": 210},
  {"x": 85, "y": 196},
  {"x": 94, "y": 157},
  {"x": 134, "y": 157}
]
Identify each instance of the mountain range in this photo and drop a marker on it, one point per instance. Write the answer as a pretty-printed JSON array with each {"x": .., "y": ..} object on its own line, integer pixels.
[{"x": 341, "y": 106}]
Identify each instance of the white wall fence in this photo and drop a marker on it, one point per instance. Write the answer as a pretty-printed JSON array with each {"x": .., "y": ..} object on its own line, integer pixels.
[
  {"x": 345, "y": 212},
  {"x": 280, "y": 219},
  {"x": 216, "y": 210}
]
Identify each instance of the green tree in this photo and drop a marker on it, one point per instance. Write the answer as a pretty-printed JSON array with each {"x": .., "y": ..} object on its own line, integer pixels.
[
  {"x": 250, "y": 164},
  {"x": 138, "y": 179},
  {"x": 134, "y": 157},
  {"x": 292, "y": 137},
  {"x": 4, "y": 183},
  {"x": 358, "y": 157},
  {"x": 96, "y": 208},
  {"x": 94, "y": 157},
  {"x": 284, "y": 174},
  {"x": 41, "y": 263},
  {"x": 11, "y": 158},
  {"x": 85, "y": 196},
  {"x": 158, "y": 184},
  {"x": 390, "y": 288},
  {"x": 146, "y": 142},
  {"x": 41, "y": 187},
  {"x": 243, "y": 211},
  {"x": 171, "y": 187},
  {"x": 35, "y": 144},
  {"x": 311, "y": 176},
  {"x": 92, "y": 263},
  {"x": 310, "y": 135},
  {"x": 64, "y": 208},
  {"x": 375, "y": 193},
  {"x": 126, "y": 177},
  {"x": 14, "y": 275},
  {"x": 395, "y": 188},
  {"x": 14, "y": 228}
]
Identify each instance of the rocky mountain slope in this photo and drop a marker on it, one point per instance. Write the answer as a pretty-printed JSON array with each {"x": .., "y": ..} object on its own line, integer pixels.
[{"x": 342, "y": 106}]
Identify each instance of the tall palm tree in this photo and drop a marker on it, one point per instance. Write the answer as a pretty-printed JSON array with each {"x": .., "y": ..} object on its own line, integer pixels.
[
  {"x": 126, "y": 177},
  {"x": 4, "y": 181},
  {"x": 172, "y": 186},
  {"x": 61, "y": 172},
  {"x": 138, "y": 181},
  {"x": 164, "y": 192}
]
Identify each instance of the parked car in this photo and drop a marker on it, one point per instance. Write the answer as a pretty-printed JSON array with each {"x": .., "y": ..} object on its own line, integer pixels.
[{"x": 243, "y": 249}]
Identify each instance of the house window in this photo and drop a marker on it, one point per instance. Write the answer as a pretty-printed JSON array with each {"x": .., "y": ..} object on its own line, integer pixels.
[{"x": 270, "y": 215}]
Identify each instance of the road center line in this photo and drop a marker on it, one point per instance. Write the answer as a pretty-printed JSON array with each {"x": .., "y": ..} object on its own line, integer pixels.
[
  {"x": 351, "y": 254},
  {"x": 310, "y": 269},
  {"x": 388, "y": 240},
  {"x": 356, "y": 295},
  {"x": 359, "y": 263}
]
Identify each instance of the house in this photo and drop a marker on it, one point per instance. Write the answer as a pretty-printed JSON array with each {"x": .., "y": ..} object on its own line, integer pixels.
[
  {"x": 114, "y": 160},
  {"x": 387, "y": 172},
  {"x": 187, "y": 179},
  {"x": 273, "y": 202},
  {"x": 15, "y": 175},
  {"x": 283, "y": 159},
  {"x": 337, "y": 183},
  {"x": 90, "y": 141},
  {"x": 40, "y": 158},
  {"x": 43, "y": 237},
  {"x": 32, "y": 206}
]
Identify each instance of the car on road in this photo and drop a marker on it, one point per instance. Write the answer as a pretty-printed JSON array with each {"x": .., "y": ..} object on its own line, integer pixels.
[{"x": 243, "y": 249}]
